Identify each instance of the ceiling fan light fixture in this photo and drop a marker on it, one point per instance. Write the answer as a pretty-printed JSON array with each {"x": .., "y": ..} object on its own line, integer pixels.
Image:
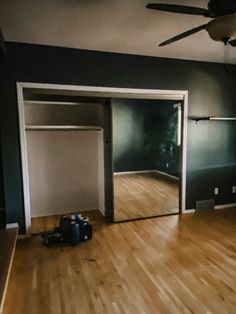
[{"x": 222, "y": 28}]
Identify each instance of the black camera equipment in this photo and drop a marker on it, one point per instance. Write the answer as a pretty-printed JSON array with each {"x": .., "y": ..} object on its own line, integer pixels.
[{"x": 73, "y": 229}]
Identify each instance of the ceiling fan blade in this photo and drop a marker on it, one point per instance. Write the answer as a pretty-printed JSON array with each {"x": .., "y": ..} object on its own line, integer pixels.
[
  {"x": 183, "y": 35},
  {"x": 232, "y": 43},
  {"x": 177, "y": 9}
]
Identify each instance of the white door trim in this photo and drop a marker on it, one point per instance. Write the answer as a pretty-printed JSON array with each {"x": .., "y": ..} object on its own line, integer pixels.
[
  {"x": 24, "y": 158},
  {"x": 105, "y": 92}
]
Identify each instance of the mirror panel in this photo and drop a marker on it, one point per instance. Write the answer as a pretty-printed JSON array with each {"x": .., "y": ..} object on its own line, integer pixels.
[{"x": 146, "y": 157}]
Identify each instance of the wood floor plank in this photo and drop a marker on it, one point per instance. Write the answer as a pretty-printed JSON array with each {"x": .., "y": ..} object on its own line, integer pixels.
[{"x": 173, "y": 264}]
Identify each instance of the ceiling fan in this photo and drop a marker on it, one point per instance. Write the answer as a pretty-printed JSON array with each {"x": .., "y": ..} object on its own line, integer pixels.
[{"x": 222, "y": 27}]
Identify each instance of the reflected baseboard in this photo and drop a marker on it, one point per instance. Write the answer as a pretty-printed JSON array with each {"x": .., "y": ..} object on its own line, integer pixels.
[{"x": 147, "y": 171}]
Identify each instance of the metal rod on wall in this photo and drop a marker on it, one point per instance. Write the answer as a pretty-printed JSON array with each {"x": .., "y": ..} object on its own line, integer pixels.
[
  {"x": 222, "y": 118},
  {"x": 212, "y": 118},
  {"x": 62, "y": 127}
]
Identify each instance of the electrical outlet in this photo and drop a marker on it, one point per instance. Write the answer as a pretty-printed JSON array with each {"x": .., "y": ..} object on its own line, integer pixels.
[
  {"x": 233, "y": 189},
  {"x": 216, "y": 191},
  {"x": 167, "y": 165}
]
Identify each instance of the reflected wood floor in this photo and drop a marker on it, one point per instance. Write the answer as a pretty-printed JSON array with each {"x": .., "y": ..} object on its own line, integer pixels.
[
  {"x": 172, "y": 264},
  {"x": 139, "y": 195}
]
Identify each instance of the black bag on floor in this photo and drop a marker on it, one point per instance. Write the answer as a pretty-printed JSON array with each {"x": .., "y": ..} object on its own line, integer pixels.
[{"x": 73, "y": 229}]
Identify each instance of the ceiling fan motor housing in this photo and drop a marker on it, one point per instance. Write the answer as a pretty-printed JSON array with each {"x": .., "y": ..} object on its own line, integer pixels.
[
  {"x": 221, "y": 7},
  {"x": 222, "y": 28}
]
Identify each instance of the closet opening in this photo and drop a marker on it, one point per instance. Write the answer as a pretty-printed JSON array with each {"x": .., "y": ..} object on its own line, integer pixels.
[
  {"x": 67, "y": 148},
  {"x": 64, "y": 139}
]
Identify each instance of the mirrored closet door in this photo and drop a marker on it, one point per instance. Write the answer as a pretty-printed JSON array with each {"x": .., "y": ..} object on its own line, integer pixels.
[{"x": 146, "y": 157}]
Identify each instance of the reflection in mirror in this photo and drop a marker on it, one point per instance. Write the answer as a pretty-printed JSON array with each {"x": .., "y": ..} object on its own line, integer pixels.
[{"x": 146, "y": 157}]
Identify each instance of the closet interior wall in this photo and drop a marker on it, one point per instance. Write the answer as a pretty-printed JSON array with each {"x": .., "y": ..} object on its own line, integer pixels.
[{"x": 65, "y": 154}]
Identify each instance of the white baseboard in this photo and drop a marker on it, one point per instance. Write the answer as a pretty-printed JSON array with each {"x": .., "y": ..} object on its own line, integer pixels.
[
  {"x": 215, "y": 207},
  {"x": 167, "y": 175},
  {"x": 225, "y": 206},
  {"x": 12, "y": 226},
  {"x": 133, "y": 172},
  {"x": 189, "y": 211}
]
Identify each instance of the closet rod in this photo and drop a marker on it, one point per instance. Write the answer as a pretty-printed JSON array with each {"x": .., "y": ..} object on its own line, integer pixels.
[
  {"x": 62, "y": 127},
  {"x": 60, "y": 103}
]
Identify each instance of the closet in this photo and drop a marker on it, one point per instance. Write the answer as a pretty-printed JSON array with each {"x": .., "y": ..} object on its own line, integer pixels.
[{"x": 65, "y": 154}]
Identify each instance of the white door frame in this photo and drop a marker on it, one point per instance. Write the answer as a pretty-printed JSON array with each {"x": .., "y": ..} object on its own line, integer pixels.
[{"x": 104, "y": 92}]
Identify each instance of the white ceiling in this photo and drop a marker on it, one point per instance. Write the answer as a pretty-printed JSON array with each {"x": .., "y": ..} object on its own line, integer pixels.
[{"x": 124, "y": 26}]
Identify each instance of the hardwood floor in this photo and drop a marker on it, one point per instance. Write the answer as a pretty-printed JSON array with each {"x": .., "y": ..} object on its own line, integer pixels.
[
  {"x": 172, "y": 264},
  {"x": 141, "y": 195}
]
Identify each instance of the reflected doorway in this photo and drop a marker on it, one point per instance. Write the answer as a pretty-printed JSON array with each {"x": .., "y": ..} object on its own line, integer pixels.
[{"x": 146, "y": 157}]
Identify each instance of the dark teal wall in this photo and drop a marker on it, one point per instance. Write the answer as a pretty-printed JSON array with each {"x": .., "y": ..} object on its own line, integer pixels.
[
  {"x": 2, "y": 195},
  {"x": 145, "y": 136},
  {"x": 211, "y": 145},
  {"x": 11, "y": 160}
]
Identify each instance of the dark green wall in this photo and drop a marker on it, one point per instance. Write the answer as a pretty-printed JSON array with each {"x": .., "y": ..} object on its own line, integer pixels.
[
  {"x": 11, "y": 160},
  {"x": 211, "y": 145},
  {"x": 2, "y": 195},
  {"x": 145, "y": 135}
]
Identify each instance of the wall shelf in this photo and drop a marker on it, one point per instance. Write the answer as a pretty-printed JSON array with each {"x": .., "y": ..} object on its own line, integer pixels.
[
  {"x": 63, "y": 127},
  {"x": 212, "y": 118}
]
